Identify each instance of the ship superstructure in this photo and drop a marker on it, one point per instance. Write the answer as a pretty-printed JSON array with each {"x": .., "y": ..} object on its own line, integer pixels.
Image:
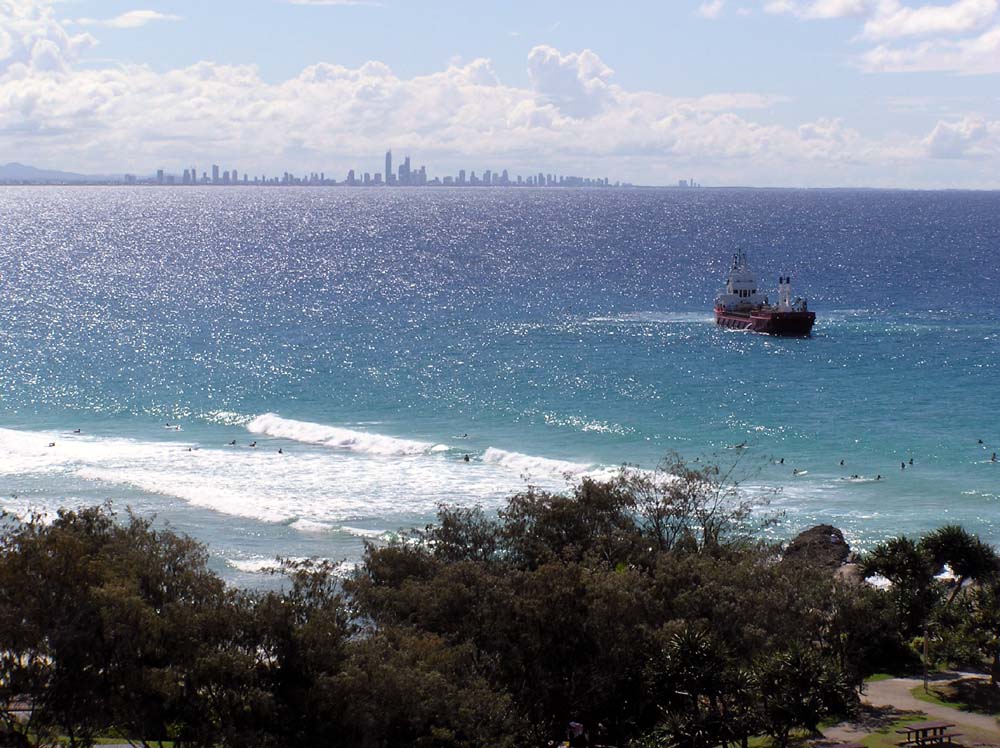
[{"x": 741, "y": 306}]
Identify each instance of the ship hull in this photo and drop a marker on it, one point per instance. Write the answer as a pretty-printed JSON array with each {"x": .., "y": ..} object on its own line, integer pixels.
[{"x": 787, "y": 324}]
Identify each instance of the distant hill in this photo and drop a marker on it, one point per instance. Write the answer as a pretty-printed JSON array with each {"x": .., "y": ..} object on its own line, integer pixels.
[{"x": 14, "y": 172}]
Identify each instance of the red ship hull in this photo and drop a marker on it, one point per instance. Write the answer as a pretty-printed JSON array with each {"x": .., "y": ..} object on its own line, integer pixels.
[{"x": 788, "y": 324}]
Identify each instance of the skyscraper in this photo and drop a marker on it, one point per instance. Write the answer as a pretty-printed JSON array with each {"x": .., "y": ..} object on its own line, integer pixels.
[
  {"x": 215, "y": 173},
  {"x": 388, "y": 166}
]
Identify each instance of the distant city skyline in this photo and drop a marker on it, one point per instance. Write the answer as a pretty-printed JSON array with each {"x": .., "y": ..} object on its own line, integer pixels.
[
  {"x": 874, "y": 93},
  {"x": 404, "y": 176}
]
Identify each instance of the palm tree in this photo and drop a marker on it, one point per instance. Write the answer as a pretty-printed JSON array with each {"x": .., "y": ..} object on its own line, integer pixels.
[{"x": 968, "y": 556}]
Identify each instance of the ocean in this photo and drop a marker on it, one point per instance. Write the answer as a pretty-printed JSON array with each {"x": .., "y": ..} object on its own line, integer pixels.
[{"x": 378, "y": 337}]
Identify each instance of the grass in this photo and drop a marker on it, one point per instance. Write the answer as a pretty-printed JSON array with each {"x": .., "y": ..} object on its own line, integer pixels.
[
  {"x": 967, "y": 695},
  {"x": 886, "y": 737},
  {"x": 879, "y": 676},
  {"x": 796, "y": 738},
  {"x": 935, "y": 695}
]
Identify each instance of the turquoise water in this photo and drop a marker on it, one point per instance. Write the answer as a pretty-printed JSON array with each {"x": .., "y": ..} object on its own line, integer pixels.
[{"x": 379, "y": 337}]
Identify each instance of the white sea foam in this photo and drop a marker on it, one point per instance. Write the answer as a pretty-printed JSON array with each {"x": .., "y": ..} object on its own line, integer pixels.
[
  {"x": 311, "y": 526},
  {"x": 531, "y": 466},
  {"x": 312, "y": 490},
  {"x": 879, "y": 582},
  {"x": 271, "y": 565},
  {"x": 270, "y": 424},
  {"x": 254, "y": 565},
  {"x": 362, "y": 532}
]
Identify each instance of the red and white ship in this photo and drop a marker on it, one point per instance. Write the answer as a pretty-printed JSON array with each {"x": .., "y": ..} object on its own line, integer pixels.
[{"x": 741, "y": 307}]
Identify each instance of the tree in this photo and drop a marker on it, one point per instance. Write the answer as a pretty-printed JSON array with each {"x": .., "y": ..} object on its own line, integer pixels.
[
  {"x": 985, "y": 624},
  {"x": 967, "y": 555},
  {"x": 107, "y": 626},
  {"x": 405, "y": 688},
  {"x": 693, "y": 681},
  {"x": 799, "y": 688},
  {"x": 911, "y": 569},
  {"x": 302, "y": 636}
]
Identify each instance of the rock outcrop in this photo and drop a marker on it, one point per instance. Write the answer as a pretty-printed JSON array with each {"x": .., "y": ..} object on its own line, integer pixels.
[{"x": 823, "y": 545}]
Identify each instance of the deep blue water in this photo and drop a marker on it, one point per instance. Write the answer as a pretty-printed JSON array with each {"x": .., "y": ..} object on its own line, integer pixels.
[{"x": 365, "y": 333}]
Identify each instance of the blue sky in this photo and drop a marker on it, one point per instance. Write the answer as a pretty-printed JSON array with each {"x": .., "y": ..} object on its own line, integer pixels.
[{"x": 765, "y": 92}]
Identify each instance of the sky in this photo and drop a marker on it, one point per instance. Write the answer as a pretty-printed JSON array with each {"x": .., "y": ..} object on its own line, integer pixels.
[{"x": 798, "y": 93}]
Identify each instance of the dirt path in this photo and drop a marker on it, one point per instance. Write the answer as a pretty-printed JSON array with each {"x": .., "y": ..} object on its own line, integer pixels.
[
  {"x": 896, "y": 692},
  {"x": 889, "y": 700}
]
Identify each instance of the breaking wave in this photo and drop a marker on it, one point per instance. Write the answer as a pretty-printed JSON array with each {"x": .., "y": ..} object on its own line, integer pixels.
[{"x": 335, "y": 437}]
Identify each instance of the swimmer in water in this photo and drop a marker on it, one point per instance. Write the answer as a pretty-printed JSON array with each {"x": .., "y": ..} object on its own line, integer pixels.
[
  {"x": 980, "y": 441},
  {"x": 466, "y": 458},
  {"x": 280, "y": 452},
  {"x": 842, "y": 463},
  {"x": 911, "y": 460}
]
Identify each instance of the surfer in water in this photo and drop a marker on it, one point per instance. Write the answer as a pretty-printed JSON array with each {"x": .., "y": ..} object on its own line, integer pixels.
[
  {"x": 280, "y": 451},
  {"x": 253, "y": 444},
  {"x": 466, "y": 458},
  {"x": 994, "y": 457},
  {"x": 842, "y": 463},
  {"x": 232, "y": 443}
]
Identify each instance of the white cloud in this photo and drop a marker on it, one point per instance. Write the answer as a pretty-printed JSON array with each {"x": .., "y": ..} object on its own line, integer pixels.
[
  {"x": 711, "y": 9},
  {"x": 893, "y": 19},
  {"x": 947, "y": 45},
  {"x": 818, "y": 9},
  {"x": 977, "y": 55},
  {"x": 576, "y": 83},
  {"x": 129, "y": 20},
  {"x": 573, "y": 117},
  {"x": 970, "y": 137},
  {"x": 30, "y": 36}
]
